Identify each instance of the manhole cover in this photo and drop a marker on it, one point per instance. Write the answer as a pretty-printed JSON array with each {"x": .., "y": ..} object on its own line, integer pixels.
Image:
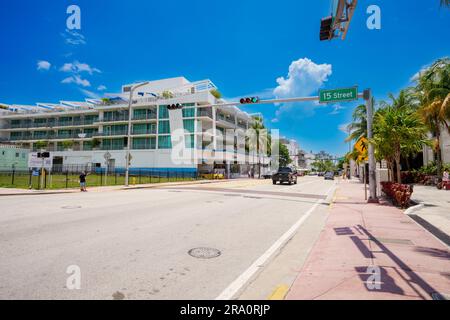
[
  {"x": 71, "y": 207},
  {"x": 204, "y": 253}
]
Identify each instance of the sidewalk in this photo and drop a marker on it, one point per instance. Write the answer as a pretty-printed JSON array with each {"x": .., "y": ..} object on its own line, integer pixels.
[
  {"x": 22, "y": 192},
  {"x": 413, "y": 264}
]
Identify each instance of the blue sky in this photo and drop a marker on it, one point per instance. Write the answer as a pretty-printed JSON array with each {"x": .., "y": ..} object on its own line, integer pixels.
[{"x": 242, "y": 46}]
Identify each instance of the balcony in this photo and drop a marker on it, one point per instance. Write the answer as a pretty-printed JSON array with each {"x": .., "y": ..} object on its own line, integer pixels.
[
  {"x": 143, "y": 117},
  {"x": 143, "y": 132},
  {"x": 114, "y": 118},
  {"x": 52, "y": 124},
  {"x": 111, "y": 134},
  {"x": 204, "y": 112},
  {"x": 227, "y": 118}
]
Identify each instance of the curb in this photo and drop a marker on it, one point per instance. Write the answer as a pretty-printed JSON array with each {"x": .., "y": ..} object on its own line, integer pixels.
[
  {"x": 113, "y": 188},
  {"x": 415, "y": 208}
]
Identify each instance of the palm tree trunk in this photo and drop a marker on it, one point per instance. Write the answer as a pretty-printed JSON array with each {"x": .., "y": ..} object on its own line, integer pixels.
[
  {"x": 397, "y": 165},
  {"x": 438, "y": 152}
]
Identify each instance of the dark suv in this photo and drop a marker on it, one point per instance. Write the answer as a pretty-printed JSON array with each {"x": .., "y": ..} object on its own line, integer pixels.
[{"x": 285, "y": 174}]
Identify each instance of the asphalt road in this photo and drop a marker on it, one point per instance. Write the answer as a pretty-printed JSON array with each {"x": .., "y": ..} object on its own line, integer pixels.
[{"x": 134, "y": 244}]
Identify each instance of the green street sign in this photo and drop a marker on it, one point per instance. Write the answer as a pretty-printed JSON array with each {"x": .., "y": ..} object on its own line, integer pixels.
[{"x": 337, "y": 95}]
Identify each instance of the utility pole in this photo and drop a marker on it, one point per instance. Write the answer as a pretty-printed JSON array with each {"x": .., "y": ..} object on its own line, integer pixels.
[
  {"x": 371, "y": 151},
  {"x": 127, "y": 154}
]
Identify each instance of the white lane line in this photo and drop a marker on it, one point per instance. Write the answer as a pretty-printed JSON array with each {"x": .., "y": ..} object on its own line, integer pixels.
[{"x": 241, "y": 281}]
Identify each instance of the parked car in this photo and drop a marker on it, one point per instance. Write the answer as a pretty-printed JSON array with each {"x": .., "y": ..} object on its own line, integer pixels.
[
  {"x": 329, "y": 175},
  {"x": 321, "y": 174},
  {"x": 285, "y": 174}
]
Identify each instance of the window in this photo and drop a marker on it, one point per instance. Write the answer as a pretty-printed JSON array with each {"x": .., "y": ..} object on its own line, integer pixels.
[
  {"x": 164, "y": 142},
  {"x": 140, "y": 114},
  {"x": 190, "y": 141},
  {"x": 189, "y": 125},
  {"x": 163, "y": 112},
  {"x": 17, "y": 154},
  {"x": 164, "y": 127},
  {"x": 113, "y": 144},
  {"x": 144, "y": 143},
  {"x": 189, "y": 112}
]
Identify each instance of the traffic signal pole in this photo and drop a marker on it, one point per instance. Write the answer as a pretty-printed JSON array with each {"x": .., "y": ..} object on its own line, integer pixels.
[{"x": 371, "y": 150}]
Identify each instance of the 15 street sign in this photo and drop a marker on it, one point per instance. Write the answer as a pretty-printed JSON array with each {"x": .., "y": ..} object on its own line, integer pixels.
[{"x": 337, "y": 95}]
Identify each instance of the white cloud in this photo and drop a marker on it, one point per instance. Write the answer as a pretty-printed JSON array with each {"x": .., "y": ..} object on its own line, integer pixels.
[
  {"x": 77, "y": 80},
  {"x": 43, "y": 65},
  {"x": 78, "y": 67},
  {"x": 101, "y": 88},
  {"x": 304, "y": 79},
  {"x": 73, "y": 38}
]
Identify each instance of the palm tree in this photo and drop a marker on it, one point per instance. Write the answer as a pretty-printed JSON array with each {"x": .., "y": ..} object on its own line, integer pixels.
[
  {"x": 261, "y": 137},
  {"x": 358, "y": 128},
  {"x": 433, "y": 93},
  {"x": 398, "y": 131}
]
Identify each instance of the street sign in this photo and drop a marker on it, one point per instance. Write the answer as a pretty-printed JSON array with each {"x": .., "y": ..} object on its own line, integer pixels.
[
  {"x": 35, "y": 162},
  {"x": 338, "y": 95},
  {"x": 361, "y": 145}
]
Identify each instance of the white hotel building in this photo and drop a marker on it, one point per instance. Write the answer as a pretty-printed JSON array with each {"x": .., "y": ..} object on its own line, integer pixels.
[{"x": 81, "y": 133}]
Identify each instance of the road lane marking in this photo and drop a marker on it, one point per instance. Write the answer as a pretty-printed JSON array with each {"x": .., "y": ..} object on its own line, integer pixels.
[
  {"x": 279, "y": 293},
  {"x": 256, "y": 266}
]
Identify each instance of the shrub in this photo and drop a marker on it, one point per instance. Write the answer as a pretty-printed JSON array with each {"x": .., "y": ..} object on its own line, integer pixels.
[{"x": 400, "y": 194}]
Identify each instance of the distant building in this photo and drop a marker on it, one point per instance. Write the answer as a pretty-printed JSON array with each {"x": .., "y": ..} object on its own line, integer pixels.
[
  {"x": 430, "y": 156},
  {"x": 293, "y": 148},
  {"x": 310, "y": 158},
  {"x": 13, "y": 158}
]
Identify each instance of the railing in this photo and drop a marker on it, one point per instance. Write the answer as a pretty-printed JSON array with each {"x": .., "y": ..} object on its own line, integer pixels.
[
  {"x": 55, "y": 136},
  {"x": 143, "y": 117},
  {"x": 112, "y": 133},
  {"x": 229, "y": 119},
  {"x": 204, "y": 112},
  {"x": 114, "y": 119},
  {"x": 51, "y": 124},
  {"x": 137, "y": 132}
]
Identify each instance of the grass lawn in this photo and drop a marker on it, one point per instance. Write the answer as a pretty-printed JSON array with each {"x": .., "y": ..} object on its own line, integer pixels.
[{"x": 61, "y": 181}]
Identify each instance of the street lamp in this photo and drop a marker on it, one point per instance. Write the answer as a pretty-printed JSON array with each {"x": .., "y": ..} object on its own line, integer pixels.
[{"x": 127, "y": 156}]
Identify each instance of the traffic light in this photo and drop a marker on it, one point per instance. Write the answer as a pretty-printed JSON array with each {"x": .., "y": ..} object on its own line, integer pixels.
[
  {"x": 175, "y": 106},
  {"x": 249, "y": 100},
  {"x": 326, "y": 28}
]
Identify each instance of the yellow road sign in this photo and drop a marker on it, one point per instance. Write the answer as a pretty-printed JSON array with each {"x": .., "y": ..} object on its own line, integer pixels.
[{"x": 361, "y": 145}]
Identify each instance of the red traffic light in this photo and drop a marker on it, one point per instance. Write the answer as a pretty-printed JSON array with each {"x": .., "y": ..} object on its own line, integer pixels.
[
  {"x": 249, "y": 100},
  {"x": 175, "y": 106}
]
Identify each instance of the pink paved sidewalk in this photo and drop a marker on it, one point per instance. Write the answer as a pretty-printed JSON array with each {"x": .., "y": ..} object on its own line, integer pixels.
[{"x": 413, "y": 263}]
